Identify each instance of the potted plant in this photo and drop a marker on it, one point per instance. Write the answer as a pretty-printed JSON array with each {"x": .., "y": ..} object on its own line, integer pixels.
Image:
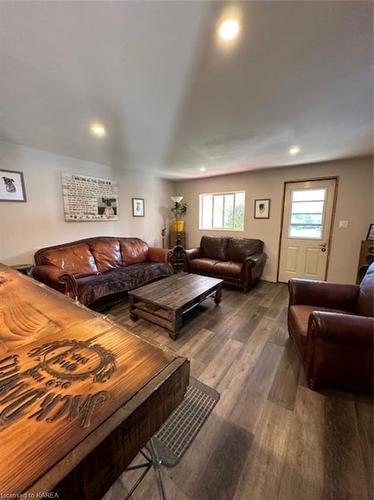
[{"x": 179, "y": 210}]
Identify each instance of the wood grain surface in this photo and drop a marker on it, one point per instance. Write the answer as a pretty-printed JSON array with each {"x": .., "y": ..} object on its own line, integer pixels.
[
  {"x": 71, "y": 382},
  {"x": 175, "y": 291}
]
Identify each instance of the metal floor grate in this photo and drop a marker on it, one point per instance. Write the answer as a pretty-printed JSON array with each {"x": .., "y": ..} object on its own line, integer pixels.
[{"x": 178, "y": 432}]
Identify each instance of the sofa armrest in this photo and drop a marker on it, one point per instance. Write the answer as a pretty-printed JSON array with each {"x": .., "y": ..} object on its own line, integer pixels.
[
  {"x": 323, "y": 294},
  {"x": 158, "y": 254},
  {"x": 253, "y": 267},
  {"x": 56, "y": 278},
  {"x": 193, "y": 253},
  {"x": 339, "y": 351},
  {"x": 257, "y": 259}
]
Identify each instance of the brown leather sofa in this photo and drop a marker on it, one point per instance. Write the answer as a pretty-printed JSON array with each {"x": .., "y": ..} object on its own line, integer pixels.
[
  {"x": 333, "y": 327},
  {"x": 100, "y": 271},
  {"x": 238, "y": 261}
]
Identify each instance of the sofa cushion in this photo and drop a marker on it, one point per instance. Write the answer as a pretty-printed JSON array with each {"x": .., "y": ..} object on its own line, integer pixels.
[
  {"x": 202, "y": 265},
  {"x": 228, "y": 268},
  {"x": 134, "y": 251},
  {"x": 107, "y": 254},
  {"x": 238, "y": 249},
  {"x": 298, "y": 317},
  {"x": 116, "y": 281},
  {"x": 366, "y": 298},
  {"x": 74, "y": 259},
  {"x": 214, "y": 248}
]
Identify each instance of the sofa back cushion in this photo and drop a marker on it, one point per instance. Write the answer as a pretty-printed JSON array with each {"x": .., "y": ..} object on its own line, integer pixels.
[
  {"x": 238, "y": 249},
  {"x": 214, "y": 248},
  {"x": 107, "y": 254},
  {"x": 134, "y": 251},
  {"x": 366, "y": 297},
  {"x": 74, "y": 259}
]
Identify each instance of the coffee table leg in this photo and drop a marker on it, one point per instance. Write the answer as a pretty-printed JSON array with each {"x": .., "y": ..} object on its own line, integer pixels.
[
  {"x": 133, "y": 316},
  {"x": 176, "y": 321},
  {"x": 218, "y": 295}
]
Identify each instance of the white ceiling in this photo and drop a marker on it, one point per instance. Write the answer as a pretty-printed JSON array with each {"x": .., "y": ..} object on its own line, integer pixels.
[{"x": 172, "y": 99}]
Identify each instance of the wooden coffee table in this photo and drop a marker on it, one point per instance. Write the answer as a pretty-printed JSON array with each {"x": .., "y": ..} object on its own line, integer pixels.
[{"x": 165, "y": 302}]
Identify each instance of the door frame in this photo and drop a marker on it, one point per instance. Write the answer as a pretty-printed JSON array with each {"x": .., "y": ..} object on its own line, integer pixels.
[{"x": 336, "y": 179}]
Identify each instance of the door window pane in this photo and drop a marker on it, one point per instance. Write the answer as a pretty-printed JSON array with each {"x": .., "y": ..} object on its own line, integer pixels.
[
  {"x": 314, "y": 207},
  {"x": 297, "y": 218},
  {"x": 304, "y": 231},
  {"x": 309, "y": 195}
]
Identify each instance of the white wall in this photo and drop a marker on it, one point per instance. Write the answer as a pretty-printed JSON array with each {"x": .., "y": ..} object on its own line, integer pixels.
[
  {"x": 26, "y": 227},
  {"x": 354, "y": 203}
]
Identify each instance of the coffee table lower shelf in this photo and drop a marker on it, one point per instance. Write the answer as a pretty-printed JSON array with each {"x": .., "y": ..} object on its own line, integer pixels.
[{"x": 170, "y": 319}]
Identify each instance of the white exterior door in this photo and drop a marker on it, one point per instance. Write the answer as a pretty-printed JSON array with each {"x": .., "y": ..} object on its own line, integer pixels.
[{"x": 308, "y": 210}]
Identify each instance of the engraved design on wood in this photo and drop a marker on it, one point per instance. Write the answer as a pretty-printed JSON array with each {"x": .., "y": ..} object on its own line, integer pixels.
[
  {"x": 20, "y": 319},
  {"x": 74, "y": 360},
  {"x": 35, "y": 392}
]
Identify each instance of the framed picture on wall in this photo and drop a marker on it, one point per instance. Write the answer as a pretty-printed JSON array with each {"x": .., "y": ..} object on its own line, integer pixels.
[
  {"x": 12, "y": 186},
  {"x": 138, "y": 209},
  {"x": 262, "y": 209}
]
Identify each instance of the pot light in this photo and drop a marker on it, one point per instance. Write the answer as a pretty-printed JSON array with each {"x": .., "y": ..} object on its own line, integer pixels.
[
  {"x": 294, "y": 150},
  {"x": 98, "y": 129},
  {"x": 228, "y": 29},
  {"x": 202, "y": 169}
]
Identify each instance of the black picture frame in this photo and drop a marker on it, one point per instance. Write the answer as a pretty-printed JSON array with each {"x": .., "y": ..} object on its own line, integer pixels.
[
  {"x": 370, "y": 235},
  {"x": 257, "y": 214},
  {"x": 138, "y": 207},
  {"x": 8, "y": 183}
]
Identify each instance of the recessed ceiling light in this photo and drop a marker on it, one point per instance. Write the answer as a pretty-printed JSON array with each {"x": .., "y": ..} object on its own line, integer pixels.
[
  {"x": 202, "y": 169},
  {"x": 229, "y": 29},
  {"x": 294, "y": 150},
  {"x": 98, "y": 129}
]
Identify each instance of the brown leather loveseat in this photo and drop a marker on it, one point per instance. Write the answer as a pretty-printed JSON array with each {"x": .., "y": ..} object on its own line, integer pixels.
[
  {"x": 238, "y": 261},
  {"x": 99, "y": 271},
  {"x": 333, "y": 327}
]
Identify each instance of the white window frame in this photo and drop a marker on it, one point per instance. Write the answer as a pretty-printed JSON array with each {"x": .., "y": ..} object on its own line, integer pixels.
[
  {"x": 220, "y": 193},
  {"x": 322, "y": 219}
]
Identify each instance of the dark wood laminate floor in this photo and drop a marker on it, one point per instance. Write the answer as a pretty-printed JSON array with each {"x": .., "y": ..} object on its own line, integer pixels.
[{"x": 269, "y": 437}]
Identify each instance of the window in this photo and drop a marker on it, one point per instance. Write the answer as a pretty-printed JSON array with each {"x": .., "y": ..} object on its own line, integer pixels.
[
  {"x": 307, "y": 209},
  {"x": 222, "y": 211}
]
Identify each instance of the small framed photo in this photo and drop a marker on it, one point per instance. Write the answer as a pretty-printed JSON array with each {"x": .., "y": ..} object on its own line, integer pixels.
[
  {"x": 138, "y": 209},
  {"x": 262, "y": 209},
  {"x": 370, "y": 235},
  {"x": 12, "y": 186}
]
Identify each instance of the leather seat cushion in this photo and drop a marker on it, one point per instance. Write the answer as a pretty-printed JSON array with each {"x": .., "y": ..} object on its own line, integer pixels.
[
  {"x": 203, "y": 265},
  {"x": 107, "y": 254},
  {"x": 228, "y": 268},
  {"x": 134, "y": 251},
  {"x": 214, "y": 248},
  {"x": 74, "y": 259},
  {"x": 298, "y": 316},
  {"x": 238, "y": 249},
  {"x": 122, "y": 279}
]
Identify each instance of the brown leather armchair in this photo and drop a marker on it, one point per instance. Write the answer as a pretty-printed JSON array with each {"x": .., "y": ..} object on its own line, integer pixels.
[
  {"x": 238, "y": 261},
  {"x": 332, "y": 325}
]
